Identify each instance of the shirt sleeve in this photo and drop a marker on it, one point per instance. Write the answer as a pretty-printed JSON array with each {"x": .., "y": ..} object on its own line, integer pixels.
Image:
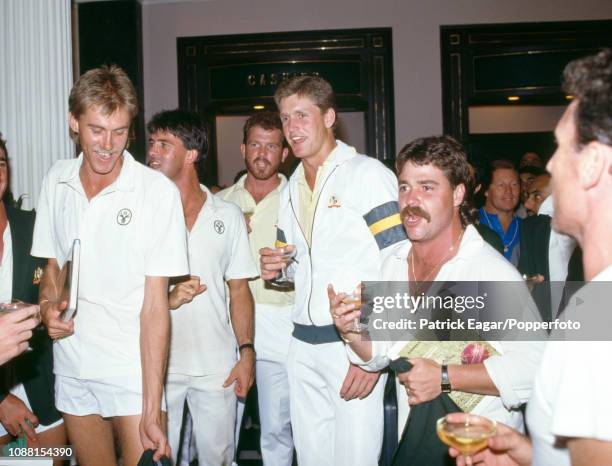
[
  {"x": 582, "y": 406},
  {"x": 166, "y": 238},
  {"x": 380, "y": 208},
  {"x": 512, "y": 372},
  {"x": 241, "y": 264},
  {"x": 43, "y": 240},
  {"x": 379, "y": 359}
]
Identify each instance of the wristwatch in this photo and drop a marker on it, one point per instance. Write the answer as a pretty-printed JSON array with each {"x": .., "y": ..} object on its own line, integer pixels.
[
  {"x": 245, "y": 346},
  {"x": 445, "y": 383}
]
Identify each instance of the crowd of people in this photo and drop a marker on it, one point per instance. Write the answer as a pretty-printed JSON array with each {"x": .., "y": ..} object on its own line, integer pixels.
[{"x": 180, "y": 308}]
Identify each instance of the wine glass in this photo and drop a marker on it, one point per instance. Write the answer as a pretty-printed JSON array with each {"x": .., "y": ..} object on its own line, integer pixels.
[
  {"x": 355, "y": 298},
  {"x": 15, "y": 305},
  {"x": 284, "y": 279},
  {"x": 469, "y": 436}
]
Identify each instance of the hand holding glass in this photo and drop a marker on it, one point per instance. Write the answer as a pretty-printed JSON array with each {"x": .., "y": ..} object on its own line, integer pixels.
[
  {"x": 469, "y": 436},
  {"x": 6, "y": 308},
  {"x": 284, "y": 279},
  {"x": 355, "y": 299}
]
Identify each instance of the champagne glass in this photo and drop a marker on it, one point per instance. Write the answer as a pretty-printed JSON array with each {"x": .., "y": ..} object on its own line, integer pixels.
[
  {"x": 284, "y": 279},
  {"x": 468, "y": 436}
]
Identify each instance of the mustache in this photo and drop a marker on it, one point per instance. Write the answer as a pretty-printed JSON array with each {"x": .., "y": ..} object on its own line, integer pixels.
[
  {"x": 261, "y": 159},
  {"x": 415, "y": 210}
]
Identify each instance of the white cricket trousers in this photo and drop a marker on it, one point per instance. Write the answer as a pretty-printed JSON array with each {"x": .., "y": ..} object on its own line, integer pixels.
[
  {"x": 273, "y": 327},
  {"x": 328, "y": 430},
  {"x": 213, "y": 411}
]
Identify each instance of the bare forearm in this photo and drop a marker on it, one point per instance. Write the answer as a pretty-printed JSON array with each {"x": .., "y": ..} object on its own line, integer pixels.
[
  {"x": 588, "y": 451},
  {"x": 49, "y": 289},
  {"x": 154, "y": 343},
  {"x": 471, "y": 378},
  {"x": 241, "y": 311}
]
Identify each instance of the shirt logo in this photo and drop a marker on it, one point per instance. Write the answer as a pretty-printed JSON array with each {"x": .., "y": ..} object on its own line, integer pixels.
[
  {"x": 333, "y": 202},
  {"x": 124, "y": 216},
  {"x": 219, "y": 226}
]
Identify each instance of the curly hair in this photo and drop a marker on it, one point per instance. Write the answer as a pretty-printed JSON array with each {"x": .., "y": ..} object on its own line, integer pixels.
[
  {"x": 589, "y": 80},
  {"x": 447, "y": 154}
]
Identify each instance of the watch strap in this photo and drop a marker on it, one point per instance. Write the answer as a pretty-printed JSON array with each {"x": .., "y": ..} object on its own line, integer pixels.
[
  {"x": 245, "y": 346},
  {"x": 445, "y": 382}
]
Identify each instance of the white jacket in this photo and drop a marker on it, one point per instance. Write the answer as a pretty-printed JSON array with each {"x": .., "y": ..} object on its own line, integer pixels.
[{"x": 358, "y": 198}]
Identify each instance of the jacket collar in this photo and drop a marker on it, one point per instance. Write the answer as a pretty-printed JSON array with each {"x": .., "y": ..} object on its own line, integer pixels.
[{"x": 341, "y": 153}]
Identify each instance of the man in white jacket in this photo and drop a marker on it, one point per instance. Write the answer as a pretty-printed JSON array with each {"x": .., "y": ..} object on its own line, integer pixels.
[{"x": 339, "y": 211}]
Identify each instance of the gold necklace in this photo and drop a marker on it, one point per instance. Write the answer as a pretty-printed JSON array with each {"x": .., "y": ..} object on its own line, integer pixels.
[{"x": 451, "y": 249}]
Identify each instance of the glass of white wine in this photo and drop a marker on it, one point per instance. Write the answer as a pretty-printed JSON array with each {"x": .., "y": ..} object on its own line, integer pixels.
[
  {"x": 468, "y": 436},
  {"x": 355, "y": 298}
]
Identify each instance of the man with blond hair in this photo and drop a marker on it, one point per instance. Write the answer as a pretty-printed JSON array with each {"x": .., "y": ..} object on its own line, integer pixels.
[
  {"x": 110, "y": 359},
  {"x": 339, "y": 212}
]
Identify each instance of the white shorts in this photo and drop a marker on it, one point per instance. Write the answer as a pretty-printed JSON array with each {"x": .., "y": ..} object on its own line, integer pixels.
[
  {"x": 109, "y": 397},
  {"x": 19, "y": 391}
]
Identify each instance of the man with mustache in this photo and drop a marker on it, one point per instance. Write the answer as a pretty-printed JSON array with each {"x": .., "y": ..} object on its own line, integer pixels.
[
  {"x": 527, "y": 175},
  {"x": 502, "y": 196},
  {"x": 110, "y": 359},
  {"x": 339, "y": 211},
  {"x": 257, "y": 193},
  {"x": 539, "y": 190},
  {"x": 435, "y": 189},
  {"x": 203, "y": 368}
]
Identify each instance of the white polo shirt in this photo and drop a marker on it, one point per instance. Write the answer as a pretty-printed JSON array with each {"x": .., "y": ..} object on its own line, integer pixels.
[
  {"x": 571, "y": 395},
  {"x": 202, "y": 339},
  {"x": 6, "y": 267},
  {"x": 131, "y": 229}
]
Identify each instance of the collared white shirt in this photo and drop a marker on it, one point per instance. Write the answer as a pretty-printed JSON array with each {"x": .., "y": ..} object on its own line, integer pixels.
[
  {"x": 6, "y": 267},
  {"x": 132, "y": 229},
  {"x": 263, "y": 234},
  {"x": 571, "y": 395},
  {"x": 512, "y": 370},
  {"x": 202, "y": 340},
  {"x": 560, "y": 249}
]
